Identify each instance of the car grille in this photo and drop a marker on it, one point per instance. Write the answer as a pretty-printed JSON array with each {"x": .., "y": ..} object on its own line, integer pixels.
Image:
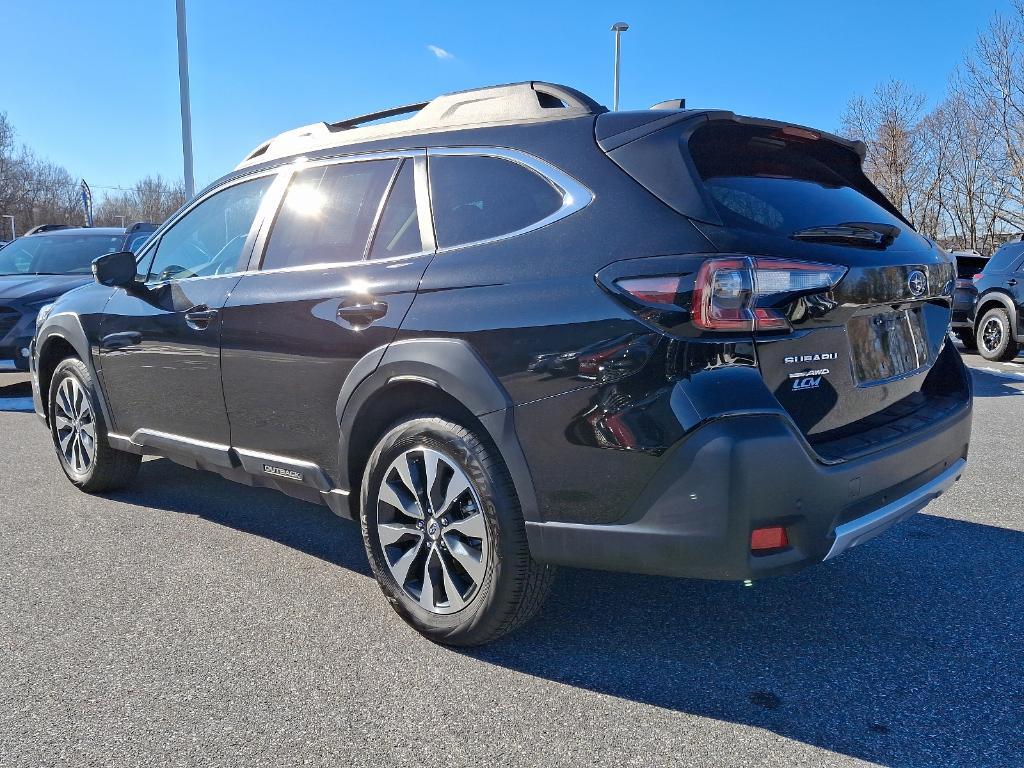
[{"x": 8, "y": 319}]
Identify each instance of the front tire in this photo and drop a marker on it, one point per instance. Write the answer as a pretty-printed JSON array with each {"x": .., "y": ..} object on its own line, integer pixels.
[
  {"x": 445, "y": 535},
  {"x": 995, "y": 336},
  {"x": 80, "y": 435}
]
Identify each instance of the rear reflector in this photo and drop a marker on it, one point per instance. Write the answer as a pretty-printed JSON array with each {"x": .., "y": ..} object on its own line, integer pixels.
[{"x": 768, "y": 538}]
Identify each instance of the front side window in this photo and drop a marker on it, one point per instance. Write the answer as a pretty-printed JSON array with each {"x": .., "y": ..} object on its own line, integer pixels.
[
  {"x": 478, "y": 198},
  {"x": 208, "y": 240},
  {"x": 327, "y": 214}
]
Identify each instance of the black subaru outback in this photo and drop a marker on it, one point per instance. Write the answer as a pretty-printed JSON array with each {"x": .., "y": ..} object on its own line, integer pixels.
[{"x": 515, "y": 330}]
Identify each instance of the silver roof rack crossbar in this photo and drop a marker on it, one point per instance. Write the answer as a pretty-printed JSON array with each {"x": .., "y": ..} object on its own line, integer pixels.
[
  {"x": 495, "y": 105},
  {"x": 354, "y": 122}
]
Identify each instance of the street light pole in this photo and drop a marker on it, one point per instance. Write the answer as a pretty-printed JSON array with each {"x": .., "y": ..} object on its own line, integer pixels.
[
  {"x": 618, "y": 28},
  {"x": 14, "y": 232},
  {"x": 186, "y": 109}
]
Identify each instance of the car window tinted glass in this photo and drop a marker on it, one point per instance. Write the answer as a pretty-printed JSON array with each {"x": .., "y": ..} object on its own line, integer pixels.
[
  {"x": 327, "y": 214},
  {"x": 1004, "y": 259},
  {"x": 63, "y": 254},
  {"x": 208, "y": 240},
  {"x": 135, "y": 243},
  {"x": 764, "y": 180},
  {"x": 476, "y": 198},
  {"x": 398, "y": 233}
]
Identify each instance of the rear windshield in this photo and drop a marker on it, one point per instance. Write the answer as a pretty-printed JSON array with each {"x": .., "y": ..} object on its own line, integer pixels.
[
  {"x": 969, "y": 266},
  {"x": 764, "y": 180}
]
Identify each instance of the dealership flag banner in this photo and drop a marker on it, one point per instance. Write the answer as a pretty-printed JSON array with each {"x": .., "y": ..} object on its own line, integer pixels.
[{"x": 87, "y": 203}]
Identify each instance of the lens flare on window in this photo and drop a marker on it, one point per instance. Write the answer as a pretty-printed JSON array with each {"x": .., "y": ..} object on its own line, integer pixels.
[{"x": 306, "y": 200}]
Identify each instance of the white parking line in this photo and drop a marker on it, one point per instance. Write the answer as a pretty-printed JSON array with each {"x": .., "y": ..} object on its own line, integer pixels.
[
  {"x": 18, "y": 404},
  {"x": 1014, "y": 375}
]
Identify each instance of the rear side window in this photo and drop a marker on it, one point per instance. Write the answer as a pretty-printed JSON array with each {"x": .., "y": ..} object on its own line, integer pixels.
[
  {"x": 398, "y": 233},
  {"x": 478, "y": 198},
  {"x": 765, "y": 180},
  {"x": 327, "y": 214},
  {"x": 1003, "y": 259}
]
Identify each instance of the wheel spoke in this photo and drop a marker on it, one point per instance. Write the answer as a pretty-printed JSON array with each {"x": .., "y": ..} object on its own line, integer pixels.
[
  {"x": 457, "y": 486},
  {"x": 430, "y": 464},
  {"x": 390, "y": 533},
  {"x": 405, "y": 472},
  {"x": 455, "y": 601},
  {"x": 410, "y": 506},
  {"x": 401, "y": 566},
  {"x": 76, "y": 453},
  {"x": 473, "y": 526},
  {"x": 64, "y": 402},
  {"x": 427, "y": 592},
  {"x": 470, "y": 560},
  {"x": 61, "y": 421}
]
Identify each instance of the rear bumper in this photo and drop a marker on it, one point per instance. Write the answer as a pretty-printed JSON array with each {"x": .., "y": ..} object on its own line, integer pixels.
[{"x": 742, "y": 472}]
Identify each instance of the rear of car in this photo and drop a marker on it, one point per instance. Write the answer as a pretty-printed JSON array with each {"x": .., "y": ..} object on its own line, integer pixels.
[{"x": 816, "y": 398}]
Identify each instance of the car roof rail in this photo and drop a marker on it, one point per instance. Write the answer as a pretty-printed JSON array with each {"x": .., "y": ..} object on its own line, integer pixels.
[
  {"x": 525, "y": 102},
  {"x": 47, "y": 228}
]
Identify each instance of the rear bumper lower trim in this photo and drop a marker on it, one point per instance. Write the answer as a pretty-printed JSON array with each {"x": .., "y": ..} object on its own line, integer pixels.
[{"x": 867, "y": 527}]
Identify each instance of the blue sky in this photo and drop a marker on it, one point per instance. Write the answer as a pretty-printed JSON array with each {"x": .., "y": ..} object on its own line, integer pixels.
[{"x": 93, "y": 86}]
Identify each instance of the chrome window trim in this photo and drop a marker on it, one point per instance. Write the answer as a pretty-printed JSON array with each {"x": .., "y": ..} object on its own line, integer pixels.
[{"x": 575, "y": 196}]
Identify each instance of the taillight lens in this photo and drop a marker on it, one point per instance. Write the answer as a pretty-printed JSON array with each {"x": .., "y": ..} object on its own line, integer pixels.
[{"x": 743, "y": 294}]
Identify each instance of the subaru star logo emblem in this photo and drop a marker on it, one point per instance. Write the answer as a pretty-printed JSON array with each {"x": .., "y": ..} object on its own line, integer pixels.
[{"x": 917, "y": 282}]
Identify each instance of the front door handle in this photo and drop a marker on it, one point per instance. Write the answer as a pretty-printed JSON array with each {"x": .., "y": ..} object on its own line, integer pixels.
[
  {"x": 122, "y": 340},
  {"x": 199, "y": 318},
  {"x": 1011, "y": 282},
  {"x": 366, "y": 312}
]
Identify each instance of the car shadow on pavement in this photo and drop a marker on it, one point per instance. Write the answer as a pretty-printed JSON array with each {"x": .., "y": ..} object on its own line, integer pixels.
[
  {"x": 309, "y": 528},
  {"x": 992, "y": 384},
  {"x": 906, "y": 651}
]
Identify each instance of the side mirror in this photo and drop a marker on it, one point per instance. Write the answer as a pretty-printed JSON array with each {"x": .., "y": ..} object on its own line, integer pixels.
[{"x": 116, "y": 270}]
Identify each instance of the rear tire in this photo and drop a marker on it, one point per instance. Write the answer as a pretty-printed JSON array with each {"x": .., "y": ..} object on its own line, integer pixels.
[
  {"x": 995, "y": 336},
  {"x": 445, "y": 535},
  {"x": 80, "y": 434}
]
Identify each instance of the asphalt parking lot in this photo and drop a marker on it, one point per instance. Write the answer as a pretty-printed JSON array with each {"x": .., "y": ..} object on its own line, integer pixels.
[{"x": 192, "y": 621}]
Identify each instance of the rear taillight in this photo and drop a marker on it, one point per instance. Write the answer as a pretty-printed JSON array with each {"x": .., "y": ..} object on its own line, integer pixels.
[
  {"x": 745, "y": 293},
  {"x": 977, "y": 276}
]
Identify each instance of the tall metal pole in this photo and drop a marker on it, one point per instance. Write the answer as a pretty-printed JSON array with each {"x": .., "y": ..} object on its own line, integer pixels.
[
  {"x": 618, "y": 28},
  {"x": 14, "y": 233},
  {"x": 186, "y": 110}
]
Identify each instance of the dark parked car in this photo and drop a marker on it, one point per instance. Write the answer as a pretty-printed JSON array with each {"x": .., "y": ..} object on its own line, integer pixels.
[
  {"x": 968, "y": 264},
  {"x": 516, "y": 330},
  {"x": 41, "y": 265},
  {"x": 996, "y": 316}
]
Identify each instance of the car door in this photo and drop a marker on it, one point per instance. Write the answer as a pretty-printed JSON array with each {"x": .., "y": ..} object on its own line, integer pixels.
[
  {"x": 321, "y": 293},
  {"x": 159, "y": 344}
]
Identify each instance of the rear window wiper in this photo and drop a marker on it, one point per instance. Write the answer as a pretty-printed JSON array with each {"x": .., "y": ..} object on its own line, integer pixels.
[{"x": 869, "y": 233}]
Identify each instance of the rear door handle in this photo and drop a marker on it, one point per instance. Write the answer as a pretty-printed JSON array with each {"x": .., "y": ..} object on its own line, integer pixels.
[
  {"x": 368, "y": 311},
  {"x": 121, "y": 340},
  {"x": 198, "y": 318}
]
